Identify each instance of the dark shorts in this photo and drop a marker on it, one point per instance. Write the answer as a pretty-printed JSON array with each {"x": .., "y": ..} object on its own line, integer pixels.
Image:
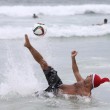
[{"x": 53, "y": 80}]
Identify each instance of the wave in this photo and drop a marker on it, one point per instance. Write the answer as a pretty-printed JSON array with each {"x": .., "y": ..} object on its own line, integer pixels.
[
  {"x": 61, "y": 10},
  {"x": 17, "y": 79},
  {"x": 8, "y": 32}
]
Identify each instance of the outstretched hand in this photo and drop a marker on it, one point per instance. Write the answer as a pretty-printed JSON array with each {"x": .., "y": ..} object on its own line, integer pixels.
[{"x": 73, "y": 53}]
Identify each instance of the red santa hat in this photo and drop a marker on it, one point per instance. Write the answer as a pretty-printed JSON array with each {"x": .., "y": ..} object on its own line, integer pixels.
[{"x": 97, "y": 80}]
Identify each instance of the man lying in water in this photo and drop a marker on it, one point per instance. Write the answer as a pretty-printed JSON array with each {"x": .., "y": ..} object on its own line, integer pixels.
[{"x": 82, "y": 87}]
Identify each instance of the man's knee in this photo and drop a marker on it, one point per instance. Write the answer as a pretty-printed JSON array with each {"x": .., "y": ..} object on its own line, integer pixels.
[{"x": 43, "y": 64}]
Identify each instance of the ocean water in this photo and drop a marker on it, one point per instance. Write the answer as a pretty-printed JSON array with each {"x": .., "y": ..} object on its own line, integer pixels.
[{"x": 69, "y": 26}]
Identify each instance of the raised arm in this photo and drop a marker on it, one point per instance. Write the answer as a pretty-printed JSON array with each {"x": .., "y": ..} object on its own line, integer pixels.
[{"x": 75, "y": 67}]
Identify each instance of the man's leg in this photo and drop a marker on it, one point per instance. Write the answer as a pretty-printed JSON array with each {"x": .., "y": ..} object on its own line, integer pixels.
[
  {"x": 37, "y": 56},
  {"x": 51, "y": 75}
]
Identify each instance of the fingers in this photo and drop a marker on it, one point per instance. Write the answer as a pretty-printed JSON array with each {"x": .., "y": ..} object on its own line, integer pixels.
[
  {"x": 74, "y": 53},
  {"x": 26, "y": 35}
]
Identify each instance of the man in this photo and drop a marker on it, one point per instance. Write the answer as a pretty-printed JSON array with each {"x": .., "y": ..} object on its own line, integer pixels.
[
  {"x": 105, "y": 22},
  {"x": 82, "y": 87},
  {"x": 35, "y": 16}
]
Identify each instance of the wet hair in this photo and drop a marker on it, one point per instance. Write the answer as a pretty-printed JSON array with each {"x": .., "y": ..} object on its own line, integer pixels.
[{"x": 105, "y": 21}]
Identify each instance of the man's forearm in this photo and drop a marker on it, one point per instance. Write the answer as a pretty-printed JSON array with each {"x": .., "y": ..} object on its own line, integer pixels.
[
  {"x": 76, "y": 70},
  {"x": 74, "y": 66}
]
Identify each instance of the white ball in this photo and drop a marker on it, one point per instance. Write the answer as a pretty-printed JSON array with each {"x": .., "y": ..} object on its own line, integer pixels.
[{"x": 39, "y": 29}]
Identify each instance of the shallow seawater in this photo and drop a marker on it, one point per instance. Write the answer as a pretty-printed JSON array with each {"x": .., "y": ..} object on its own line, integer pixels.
[
  {"x": 71, "y": 25},
  {"x": 21, "y": 76},
  {"x": 65, "y": 102}
]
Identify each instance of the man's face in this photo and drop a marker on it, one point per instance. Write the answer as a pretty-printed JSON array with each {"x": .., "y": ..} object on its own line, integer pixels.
[{"x": 89, "y": 79}]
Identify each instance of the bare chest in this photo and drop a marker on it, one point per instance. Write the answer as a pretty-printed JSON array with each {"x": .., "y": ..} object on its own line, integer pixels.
[
  {"x": 75, "y": 89},
  {"x": 80, "y": 89}
]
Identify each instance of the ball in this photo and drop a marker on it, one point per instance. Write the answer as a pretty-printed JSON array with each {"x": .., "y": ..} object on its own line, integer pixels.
[{"x": 39, "y": 29}]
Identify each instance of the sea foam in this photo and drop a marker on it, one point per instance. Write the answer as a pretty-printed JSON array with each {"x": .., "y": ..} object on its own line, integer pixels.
[
  {"x": 10, "y": 32},
  {"x": 60, "y": 10}
]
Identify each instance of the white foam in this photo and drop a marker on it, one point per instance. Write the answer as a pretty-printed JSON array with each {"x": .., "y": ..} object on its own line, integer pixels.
[
  {"x": 19, "y": 77},
  {"x": 8, "y": 32},
  {"x": 61, "y": 10},
  {"x": 75, "y": 30}
]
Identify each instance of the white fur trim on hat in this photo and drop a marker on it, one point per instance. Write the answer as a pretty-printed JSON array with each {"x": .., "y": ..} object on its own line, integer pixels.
[{"x": 93, "y": 75}]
